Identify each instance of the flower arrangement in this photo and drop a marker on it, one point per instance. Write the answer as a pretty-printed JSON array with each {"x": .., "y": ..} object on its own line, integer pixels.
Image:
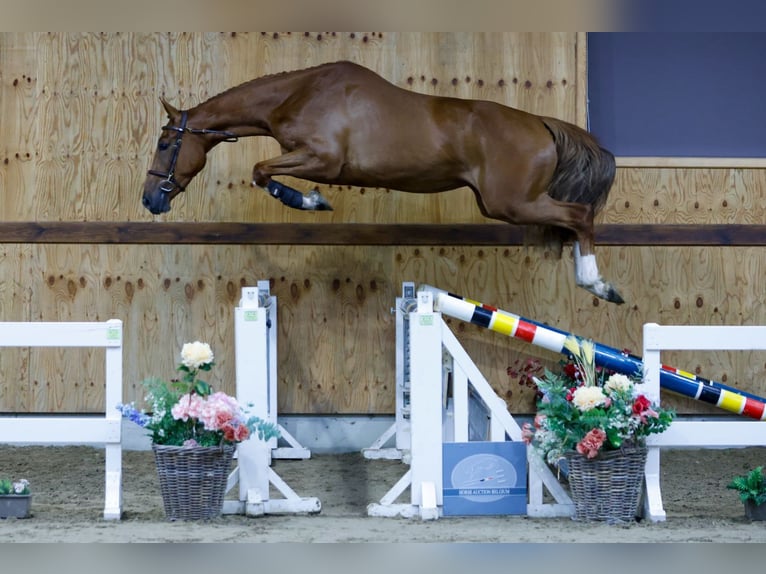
[
  {"x": 19, "y": 487},
  {"x": 187, "y": 412},
  {"x": 586, "y": 409}
]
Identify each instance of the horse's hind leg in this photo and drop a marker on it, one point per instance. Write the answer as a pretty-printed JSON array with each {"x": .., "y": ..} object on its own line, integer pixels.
[
  {"x": 588, "y": 276},
  {"x": 298, "y": 163},
  {"x": 577, "y": 217}
]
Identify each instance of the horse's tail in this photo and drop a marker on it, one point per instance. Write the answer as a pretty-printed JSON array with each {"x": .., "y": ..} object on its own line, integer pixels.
[{"x": 584, "y": 173}]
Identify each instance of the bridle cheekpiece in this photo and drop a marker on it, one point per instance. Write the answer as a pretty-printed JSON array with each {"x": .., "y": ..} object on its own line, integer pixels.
[{"x": 170, "y": 183}]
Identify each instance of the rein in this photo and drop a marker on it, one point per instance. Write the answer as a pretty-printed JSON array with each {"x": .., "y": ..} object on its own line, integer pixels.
[{"x": 170, "y": 183}]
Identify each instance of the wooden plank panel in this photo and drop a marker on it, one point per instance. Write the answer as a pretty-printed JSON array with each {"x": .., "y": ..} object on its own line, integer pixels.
[
  {"x": 335, "y": 329},
  {"x": 15, "y": 294},
  {"x": 18, "y": 108},
  {"x": 686, "y": 196}
]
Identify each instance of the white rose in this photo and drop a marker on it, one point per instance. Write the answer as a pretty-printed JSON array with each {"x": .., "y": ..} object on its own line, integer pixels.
[
  {"x": 196, "y": 354},
  {"x": 618, "y": 382},
  {"x": 586, "y": 398}
]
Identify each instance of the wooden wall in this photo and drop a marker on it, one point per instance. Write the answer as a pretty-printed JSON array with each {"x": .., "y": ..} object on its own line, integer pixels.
[{"x": 79, "y": 118}]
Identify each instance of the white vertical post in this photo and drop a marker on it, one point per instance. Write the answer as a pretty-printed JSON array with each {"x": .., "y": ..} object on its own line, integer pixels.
[
  {"x": 113, "y": 440},
  {"x": 253, "y": 460},
  {"x": 255, "y": 325},
  {"x": 403, "y": 437},
  {"x": 254, "y": 356},
  {"x": 426, "y": 400},
  {"x": 653, "y": 507},
  {"x": 253, "y": 391}
]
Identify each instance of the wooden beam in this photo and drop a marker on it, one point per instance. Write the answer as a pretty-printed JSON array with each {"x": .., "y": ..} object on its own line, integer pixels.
[
  {"x": 492, "y": 234},
  {"x": 691, "y": 235}
]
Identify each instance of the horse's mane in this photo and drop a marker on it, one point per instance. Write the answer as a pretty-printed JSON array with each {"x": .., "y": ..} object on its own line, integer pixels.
[{"x": 266, "y": 78}]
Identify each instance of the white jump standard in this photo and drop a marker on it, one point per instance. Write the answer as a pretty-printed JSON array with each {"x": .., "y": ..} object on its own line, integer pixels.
[
  {"x": 428, "y": 355},
  {"x": 256, "y": 355}
]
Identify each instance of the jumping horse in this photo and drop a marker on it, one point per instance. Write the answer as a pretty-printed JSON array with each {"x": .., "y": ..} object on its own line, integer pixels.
[{"x": 342, "y": 124}]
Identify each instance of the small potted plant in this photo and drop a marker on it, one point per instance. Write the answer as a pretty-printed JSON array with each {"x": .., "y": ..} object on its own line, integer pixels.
[
  {"x": 752, "y": 492},
  {"x": 15, "y": 498}
]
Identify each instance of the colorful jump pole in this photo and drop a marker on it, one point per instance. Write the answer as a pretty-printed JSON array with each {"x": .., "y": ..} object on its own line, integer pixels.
[{"x": 671, "y": 379}]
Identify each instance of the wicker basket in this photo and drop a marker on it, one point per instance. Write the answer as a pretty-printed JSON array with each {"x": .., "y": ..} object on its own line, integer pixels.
[
  {"x": 192, "y": 479},
  {"x": 609, "y": 486}
]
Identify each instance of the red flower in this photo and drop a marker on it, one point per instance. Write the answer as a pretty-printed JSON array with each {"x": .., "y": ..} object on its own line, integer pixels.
[
  {"x": 571, "y": 371},
  {"x": 641, "y": 404},
  {"x": 235, "y": 432}
]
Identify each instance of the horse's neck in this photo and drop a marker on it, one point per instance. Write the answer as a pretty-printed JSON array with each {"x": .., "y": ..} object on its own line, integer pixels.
[{"x": 245, "y": 109}]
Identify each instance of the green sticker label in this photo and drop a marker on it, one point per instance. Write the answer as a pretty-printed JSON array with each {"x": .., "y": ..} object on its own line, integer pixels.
[
  {"x": 426, "y": 320},
  {"x": 112, "y": 334},
  {"x": 251, "y": 315}
]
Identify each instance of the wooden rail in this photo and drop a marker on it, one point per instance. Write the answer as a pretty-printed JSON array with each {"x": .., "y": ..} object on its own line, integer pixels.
[{"x": 222, "y": 233}]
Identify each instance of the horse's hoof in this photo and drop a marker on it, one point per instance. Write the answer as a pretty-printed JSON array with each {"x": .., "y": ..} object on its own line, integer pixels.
[
  {"x": 315, "y": 201},
  {"x": 614, "y": 297},
  {"x": 605, "y": 291}
]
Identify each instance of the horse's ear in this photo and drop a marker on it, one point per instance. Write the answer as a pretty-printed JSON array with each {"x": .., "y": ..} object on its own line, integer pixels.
[{"x": 172, "y": 112}]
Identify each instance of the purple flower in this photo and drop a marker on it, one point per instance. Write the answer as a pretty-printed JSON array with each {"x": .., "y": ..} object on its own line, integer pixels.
[{"x": 130, "y": 412}]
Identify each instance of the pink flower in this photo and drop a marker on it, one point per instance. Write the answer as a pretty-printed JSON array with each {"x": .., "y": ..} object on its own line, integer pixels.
[
  {"x": 188, "y": 406},
  {"x": 218, "y": 410},
  {"x": 527, "y": 433},
  {"x": 591, "y": 443}
]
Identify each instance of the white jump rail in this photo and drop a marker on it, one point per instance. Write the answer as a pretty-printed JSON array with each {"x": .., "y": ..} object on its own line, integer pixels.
[
  {"x": 66, "y": 429},
  {"x": 711, "y": 434}
]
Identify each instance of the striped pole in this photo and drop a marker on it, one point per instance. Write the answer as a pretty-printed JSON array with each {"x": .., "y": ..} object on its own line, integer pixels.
[{"x": 671, "y": 379}]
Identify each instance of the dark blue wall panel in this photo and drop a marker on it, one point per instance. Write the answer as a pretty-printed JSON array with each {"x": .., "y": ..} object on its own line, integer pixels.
[{"x": 678, "y": 94}]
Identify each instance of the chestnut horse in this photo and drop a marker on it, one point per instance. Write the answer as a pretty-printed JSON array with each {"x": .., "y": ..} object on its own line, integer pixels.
[{"x": 342, "y": 124}]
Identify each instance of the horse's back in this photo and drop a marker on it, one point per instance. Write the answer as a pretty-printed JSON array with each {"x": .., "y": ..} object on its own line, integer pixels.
[{"x": 395, "y": 137}]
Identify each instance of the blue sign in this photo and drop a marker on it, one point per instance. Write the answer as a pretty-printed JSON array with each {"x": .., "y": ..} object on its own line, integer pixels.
[{"x": 484, "y": 478}]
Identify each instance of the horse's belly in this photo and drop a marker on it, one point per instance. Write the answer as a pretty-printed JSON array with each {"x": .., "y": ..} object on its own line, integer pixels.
[{"x": 415, "y": 181}]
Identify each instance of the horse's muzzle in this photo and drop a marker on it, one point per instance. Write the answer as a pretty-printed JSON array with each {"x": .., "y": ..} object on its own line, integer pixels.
[{"x": 158, "y": 206}]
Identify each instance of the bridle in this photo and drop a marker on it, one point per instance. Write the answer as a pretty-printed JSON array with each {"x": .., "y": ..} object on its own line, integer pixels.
[{"x": 170, "y": 183}]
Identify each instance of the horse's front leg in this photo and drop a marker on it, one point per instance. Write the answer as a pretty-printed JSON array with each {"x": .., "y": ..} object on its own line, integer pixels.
[{"x": 297, "y": 164}]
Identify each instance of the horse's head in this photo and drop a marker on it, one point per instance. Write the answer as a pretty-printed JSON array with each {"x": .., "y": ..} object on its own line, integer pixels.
[{"x": 173, "y": 165}]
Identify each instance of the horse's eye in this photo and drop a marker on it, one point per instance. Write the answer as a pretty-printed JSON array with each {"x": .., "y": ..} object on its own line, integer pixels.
[{"x": 162, "y": 146}]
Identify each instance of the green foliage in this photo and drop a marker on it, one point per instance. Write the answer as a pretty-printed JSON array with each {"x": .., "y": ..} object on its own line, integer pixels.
[
  {"x": 19, "y": 487},
  {"x": 751, "y": 486}
]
